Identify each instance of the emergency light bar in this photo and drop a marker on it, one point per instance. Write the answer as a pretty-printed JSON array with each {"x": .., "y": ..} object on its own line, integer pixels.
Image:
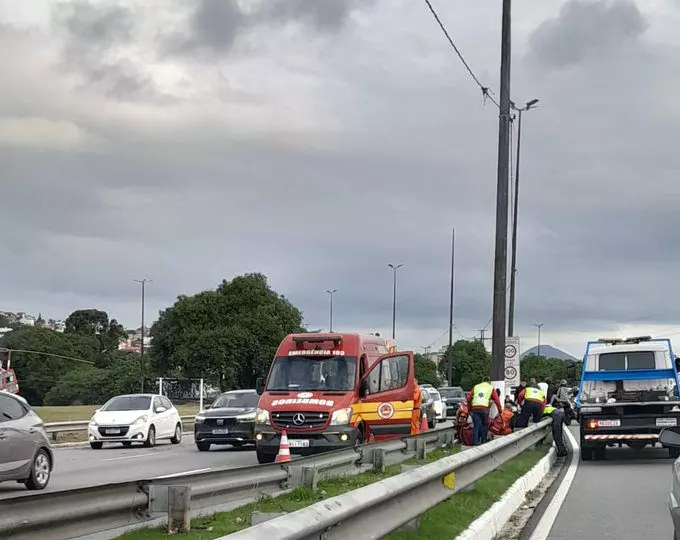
[
  {"x": 318, "y": 338},
  {"x": 636, "y": 339}
]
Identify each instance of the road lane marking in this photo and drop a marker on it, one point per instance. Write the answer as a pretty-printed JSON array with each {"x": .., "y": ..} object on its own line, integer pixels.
[
  {"x": 185, "y": 473},
  {"x": 544, "y": 526},
  {"x": 133, "y": 456}
]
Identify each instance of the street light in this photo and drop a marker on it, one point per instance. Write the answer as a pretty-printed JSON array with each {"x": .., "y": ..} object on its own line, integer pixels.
[
  {"x": 394, "y": 297},
  {"x": 143, "y": 283},
  {"x": 513, "y": 264},
  {"x": 539, "y": 338},
  {"x": 331, "y": 293}
]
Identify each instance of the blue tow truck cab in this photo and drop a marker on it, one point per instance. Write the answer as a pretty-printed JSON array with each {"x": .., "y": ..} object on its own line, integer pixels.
[{"x": 628, "y": 393}]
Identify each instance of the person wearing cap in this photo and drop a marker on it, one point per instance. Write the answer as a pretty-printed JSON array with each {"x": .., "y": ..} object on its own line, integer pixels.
[
  {"x": 563, "y": 393},
  {"x": 479, "y": 402},
  {"x": 534, "y": 403}
]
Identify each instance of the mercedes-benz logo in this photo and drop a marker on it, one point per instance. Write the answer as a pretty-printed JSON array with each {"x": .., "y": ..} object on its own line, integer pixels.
[{"x": 298, "y": 419}]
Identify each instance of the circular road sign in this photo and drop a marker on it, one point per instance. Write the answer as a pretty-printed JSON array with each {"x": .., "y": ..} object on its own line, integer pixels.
[
  {"x": 510, "y": 372},
  {"x": 510, "y": 351}
]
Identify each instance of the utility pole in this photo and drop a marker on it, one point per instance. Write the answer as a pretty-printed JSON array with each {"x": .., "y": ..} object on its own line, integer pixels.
[
  {"x": 539, "y": 338},
  {"x": 331, "y": 293},
  {"x": 501, "y": 252},
  {"x": 450, "y": 355},
  {"x": 481, "y": 335},
  {"x": 394, "y": 297},
  {"x": 143, "y": 283},
  {"x": 513, "y": 265}
]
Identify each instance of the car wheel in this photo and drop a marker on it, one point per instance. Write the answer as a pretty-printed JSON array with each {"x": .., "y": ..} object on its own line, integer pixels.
[
  {"x": 127, "y": 444},
  {"x": 150, "y": 441},
  {"x": 96, "y": 445},
  {"x": 264, "y": 458},
  {"x": 177, "y": 438},
  {"x": 203, "y": 446},
  {"x": 40, "y": 471}
]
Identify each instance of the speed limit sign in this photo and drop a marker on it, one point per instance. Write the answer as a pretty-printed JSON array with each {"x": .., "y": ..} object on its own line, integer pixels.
[{"x": 510, "y": 372}]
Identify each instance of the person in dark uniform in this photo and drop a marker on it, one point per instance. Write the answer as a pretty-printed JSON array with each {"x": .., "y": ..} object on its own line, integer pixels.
[{"x": 558, "y": 424}]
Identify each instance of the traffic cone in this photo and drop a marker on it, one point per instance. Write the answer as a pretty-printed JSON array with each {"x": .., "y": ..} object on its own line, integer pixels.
[
  {"x": 423, "y": 423},
  {"x": 284, "y": 450}
]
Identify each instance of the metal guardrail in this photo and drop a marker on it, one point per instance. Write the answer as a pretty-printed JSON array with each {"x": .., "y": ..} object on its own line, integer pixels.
[
  {"x": 54, "y": 428},
  {"x": 68, "y": 514},
  {"x": 378, "y": 509}
]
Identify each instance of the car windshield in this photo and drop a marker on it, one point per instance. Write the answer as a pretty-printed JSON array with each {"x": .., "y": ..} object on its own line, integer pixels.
[
  {"x": 313, "y": 373},
  {"x": 425, "y": 395},
  {"x": 128, "y": 403},
  {"x": 435, "y": 395},
  {"x": 236, "y": 400},
  {"x": 450, "y": 393}
]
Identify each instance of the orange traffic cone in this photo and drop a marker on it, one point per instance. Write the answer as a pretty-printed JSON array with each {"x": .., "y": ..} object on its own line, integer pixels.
[
  {"x": 423, "y": 423},
  {"x": 284, "y": 450}
]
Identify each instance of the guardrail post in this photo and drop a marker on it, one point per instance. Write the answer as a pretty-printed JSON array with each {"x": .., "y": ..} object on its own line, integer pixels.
[
  {"x": 421, "y": 449},
  {"x": 379, "y": 460},
  {"x": 55, "y": 436},
  {"x": 449, "y": 440},
  {"x": 310, "y": 477},
  {"x": 179, "y": 517}
]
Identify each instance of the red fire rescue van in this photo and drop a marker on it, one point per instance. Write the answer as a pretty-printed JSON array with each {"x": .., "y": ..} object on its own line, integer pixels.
[{"x": 331, "y": 391}]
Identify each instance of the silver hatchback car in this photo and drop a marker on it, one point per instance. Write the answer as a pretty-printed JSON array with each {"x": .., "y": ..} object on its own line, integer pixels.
[{"x": 25, "y": 452}]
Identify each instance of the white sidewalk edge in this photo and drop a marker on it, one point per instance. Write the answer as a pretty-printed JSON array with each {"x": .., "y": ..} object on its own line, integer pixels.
[{"x": 491, "y": 522}]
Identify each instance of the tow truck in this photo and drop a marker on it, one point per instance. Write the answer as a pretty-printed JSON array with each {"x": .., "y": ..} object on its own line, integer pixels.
[
  {"x": 8, "y": 379},
  {"x": 628, "y": 393}
]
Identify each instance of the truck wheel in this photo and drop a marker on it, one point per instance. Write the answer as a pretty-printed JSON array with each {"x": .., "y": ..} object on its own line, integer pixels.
[
  {"x": 586, "y": 453},
  {"x": 264, "y": 458},
  {"x": 600, "y": 453},
  {"x": 674, "y": 452}
]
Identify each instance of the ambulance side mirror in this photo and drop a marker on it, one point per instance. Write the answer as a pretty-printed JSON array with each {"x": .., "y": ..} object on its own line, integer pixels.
[
  {"x": 363, "y": 388},
  {"x": 259, "y": 386}
]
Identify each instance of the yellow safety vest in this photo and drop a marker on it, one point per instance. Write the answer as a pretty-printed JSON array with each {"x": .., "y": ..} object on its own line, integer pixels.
[
  {"x": 481, "y": 395},
  {"x": 534, "y": 394},
  {"x": 548, "y": 410}
]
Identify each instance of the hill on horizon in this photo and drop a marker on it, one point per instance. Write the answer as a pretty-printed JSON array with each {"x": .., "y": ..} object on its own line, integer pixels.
[{"x": 549, "y": 352}]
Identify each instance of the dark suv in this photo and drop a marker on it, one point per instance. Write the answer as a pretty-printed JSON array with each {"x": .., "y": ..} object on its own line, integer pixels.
[
  {"x": 229, "y": 420},
  {"x": 452, "y": 396}
]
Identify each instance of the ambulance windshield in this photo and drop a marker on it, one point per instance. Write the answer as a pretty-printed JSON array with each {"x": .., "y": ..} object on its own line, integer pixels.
[{"x": 298, "y": 373}]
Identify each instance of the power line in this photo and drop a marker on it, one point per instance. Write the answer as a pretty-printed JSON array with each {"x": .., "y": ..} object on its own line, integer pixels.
[
  {"x": 486, "y": 91},
  {"x": 54, "y": 355}
]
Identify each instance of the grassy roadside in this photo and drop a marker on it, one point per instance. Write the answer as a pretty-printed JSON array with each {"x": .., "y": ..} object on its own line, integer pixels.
[
  {"x": 444, "y": 521},
  {"x": 84, "y": 412}
]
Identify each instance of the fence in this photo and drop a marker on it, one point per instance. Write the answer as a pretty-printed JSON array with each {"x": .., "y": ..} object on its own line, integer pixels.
[{"x": 68, "y": 514}]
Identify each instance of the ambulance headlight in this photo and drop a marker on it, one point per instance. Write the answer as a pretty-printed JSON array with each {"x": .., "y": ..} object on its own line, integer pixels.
[{"x": 341, "y": 417}]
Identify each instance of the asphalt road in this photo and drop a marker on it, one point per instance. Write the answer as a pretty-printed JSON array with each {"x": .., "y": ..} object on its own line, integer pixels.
[
  {"x": 623, "y": 497},
  {"x": 81, "y": 466},
  {"x": 77, "y": 467}
]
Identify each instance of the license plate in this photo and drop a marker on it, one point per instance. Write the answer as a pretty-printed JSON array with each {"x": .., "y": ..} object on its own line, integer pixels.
[
  {"x": 112, "y": 431},
  {"x": 665, "y": 422},
  {"x": 222, "y": 431},
  {"x": 298, "y": 443},
  {"x": 609, "y": 423}
]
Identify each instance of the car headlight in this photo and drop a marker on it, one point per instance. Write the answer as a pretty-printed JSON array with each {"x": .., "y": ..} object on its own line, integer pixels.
[
  {"x": 262, "y": 417},
  {"x": 341, "y": 417},
  {"x": 93, "y": 423},
  {"x": 199, "y": 419},
  {"x": 248, "y": 417},
  {"x": 141, "y": 420}
]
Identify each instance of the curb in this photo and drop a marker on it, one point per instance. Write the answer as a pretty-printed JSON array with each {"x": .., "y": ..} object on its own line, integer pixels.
[{"x": 491, "y": 522}]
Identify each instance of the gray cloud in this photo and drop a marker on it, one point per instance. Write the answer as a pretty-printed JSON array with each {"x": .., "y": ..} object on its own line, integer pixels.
[
  {"x": 324, "y": 16},
  {"x": 585, "y": 28}
]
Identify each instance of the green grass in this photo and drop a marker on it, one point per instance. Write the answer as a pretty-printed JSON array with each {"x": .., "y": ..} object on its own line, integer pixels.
[
  {"x": 84, "y": 412},
  {"x": 225, "y": 523},
  {"x": 450, "y": 518}
]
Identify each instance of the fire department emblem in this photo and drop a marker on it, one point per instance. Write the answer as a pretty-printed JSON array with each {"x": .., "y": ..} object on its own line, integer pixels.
[{"x": 385, "y": 411}]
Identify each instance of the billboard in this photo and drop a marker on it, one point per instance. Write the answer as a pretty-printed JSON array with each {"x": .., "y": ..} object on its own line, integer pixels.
[{"x": 512, "y": 377}]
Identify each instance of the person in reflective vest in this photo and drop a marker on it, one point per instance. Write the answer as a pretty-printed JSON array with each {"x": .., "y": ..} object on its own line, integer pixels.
[
  {"x": 479, "y": 401},
  {"x": 415, "y": 414},
  {"x": 534, "y": 403}
]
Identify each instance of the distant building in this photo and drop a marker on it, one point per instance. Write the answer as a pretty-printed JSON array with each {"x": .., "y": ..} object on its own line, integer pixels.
[
  {"x": 27, "y": 320},
  {"x": 3, "y": 331}
]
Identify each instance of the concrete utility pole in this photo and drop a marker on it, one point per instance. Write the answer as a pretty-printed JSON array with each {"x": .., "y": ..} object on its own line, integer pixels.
[
  {"x": 501, "y": 252},
  {"x": 453, "y": 252},
  {"x": 539, "y": 338},
  {"x": 513, "y": 264},
  {"x": 331, "y": 293},
  {"x": 143, "y": 283},
  {"x": 394, "y": 297}
]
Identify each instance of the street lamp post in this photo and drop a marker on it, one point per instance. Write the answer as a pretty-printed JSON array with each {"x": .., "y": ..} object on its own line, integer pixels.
[
  {"x": 513, "y": 264},
  {"x": 331, "y": 293},
  {"x": 539, "y": 338},
  {"x": 394, "y": 297},
  {"x": 143, "y": 283}
]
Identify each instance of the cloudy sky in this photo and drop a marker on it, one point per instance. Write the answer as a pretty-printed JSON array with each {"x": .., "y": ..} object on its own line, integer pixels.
[{"x": 316, "y": 141}]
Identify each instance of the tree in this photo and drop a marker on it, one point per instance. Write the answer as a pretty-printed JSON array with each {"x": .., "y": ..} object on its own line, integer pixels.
[
  {"x": 471, "y": 363},
  {"x": 228, "y": 335},
  {"x": 94, "y": 322},
  {"x": 542, "y": 368},
  {"x": 426, "y": 370}
]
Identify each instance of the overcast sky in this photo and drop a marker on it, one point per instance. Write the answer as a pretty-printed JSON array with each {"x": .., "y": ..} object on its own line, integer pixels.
[{"x": 316, "y": 141}]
